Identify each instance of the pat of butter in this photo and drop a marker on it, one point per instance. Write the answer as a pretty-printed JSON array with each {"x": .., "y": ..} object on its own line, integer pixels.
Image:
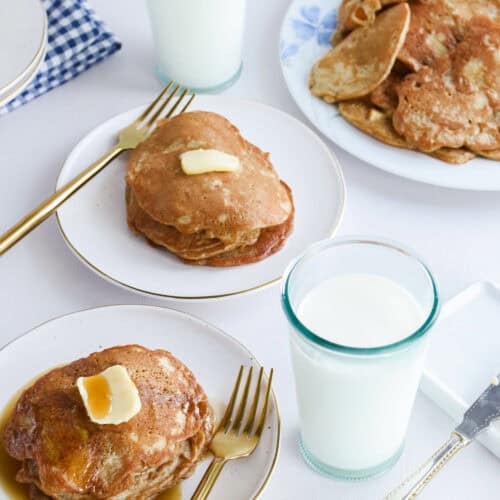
[
  {"x": 201, "y": 161},
  {"x": 110, "y": 397},
  {"x": 495, "y": 381}
]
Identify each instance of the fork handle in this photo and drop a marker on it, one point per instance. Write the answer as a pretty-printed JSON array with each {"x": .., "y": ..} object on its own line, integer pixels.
[
  {"x": 208, "y": 480},
  {"x": 48, "y": 207},
  {"x": 413, "y": 485}
]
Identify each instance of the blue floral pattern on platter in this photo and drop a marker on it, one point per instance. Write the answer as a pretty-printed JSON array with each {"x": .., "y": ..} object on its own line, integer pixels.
[{"x": 312, "y": 24}]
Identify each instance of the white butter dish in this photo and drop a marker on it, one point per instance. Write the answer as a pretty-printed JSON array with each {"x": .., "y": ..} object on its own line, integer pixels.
[{"x": 464, "y": 354}]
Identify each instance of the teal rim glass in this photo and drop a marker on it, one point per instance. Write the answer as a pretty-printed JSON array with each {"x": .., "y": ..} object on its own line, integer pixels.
[{"x": 321, "y": 246}]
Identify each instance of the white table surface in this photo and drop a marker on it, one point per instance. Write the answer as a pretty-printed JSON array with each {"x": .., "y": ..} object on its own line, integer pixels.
[{"x": 457, "y": 232}]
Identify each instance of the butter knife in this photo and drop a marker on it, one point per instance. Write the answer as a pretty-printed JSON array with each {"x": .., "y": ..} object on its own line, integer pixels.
[{"x": 477, "y": 418}]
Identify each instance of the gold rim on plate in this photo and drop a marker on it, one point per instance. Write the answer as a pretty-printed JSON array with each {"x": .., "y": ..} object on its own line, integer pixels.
[
  {"x": 206, "y": 324},
  {"x": 336, "y": 224}
]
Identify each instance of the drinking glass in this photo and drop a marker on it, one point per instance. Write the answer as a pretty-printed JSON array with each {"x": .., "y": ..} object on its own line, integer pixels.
[
  {"x": 198, "y": 43},
  {"x": 355, "y": 403}
]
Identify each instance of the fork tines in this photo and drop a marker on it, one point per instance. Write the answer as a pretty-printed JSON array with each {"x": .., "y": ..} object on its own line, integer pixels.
[
  {"x": 158, "y": 106},
  {"x": 233, "y": 423}
]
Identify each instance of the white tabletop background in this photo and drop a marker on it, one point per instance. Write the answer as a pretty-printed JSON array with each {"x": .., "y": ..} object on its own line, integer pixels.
[{"x": 457, "y": 232}]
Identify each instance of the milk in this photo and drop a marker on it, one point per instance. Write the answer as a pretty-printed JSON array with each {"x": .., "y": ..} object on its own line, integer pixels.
[
  {"x": 361, "y": 310},
  {"x": 354, "y": 407},
  {"x": 198, "y": 42}
]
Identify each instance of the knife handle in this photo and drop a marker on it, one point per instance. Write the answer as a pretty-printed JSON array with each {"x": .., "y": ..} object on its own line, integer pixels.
[{"x": 413, "y": 485}]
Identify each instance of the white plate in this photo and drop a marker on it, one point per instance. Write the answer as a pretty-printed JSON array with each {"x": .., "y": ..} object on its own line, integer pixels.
[
  {"x": 93, "y": 221},
  {"x": 305, "y": 35},
  {"x": 23, "y": 38},
  {"x": 464, "y": 354},
  {"x": 212, "y": 355}
]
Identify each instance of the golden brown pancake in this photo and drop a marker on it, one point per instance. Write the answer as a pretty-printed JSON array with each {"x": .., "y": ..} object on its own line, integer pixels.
[
  {"x": 476, "y": 60},
  {"x": 431, "y": 35},
  {"x": 222, "y": 202},
  {"x": 67, "y": 456},
  {"x": 432, "y": 113},
  {"x": 385, "y": 96},
  {"x": 201, "y": 250},
  {"x": 374, "y": 122},
  {"x": 360, "y": 62},
  {"x": 378, "y": 124},
  {"x": 465, "y": 10},
  {"x": 355, "y": 13},
  {"x": 271, "y": 239},
  {"x": 199, "y": 217},
  {"x": 494, "y": 154},
  {"x": 454, "y": 156},
  {"x": 199, "y": 245}
]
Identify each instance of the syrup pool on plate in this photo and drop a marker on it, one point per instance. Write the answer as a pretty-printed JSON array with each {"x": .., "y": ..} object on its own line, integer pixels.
[{"x": 358, "y": 312}]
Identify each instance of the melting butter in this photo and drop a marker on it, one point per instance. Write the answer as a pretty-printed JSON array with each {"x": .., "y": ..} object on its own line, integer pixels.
[
  {"x": 110, "y": 397},
  {"x": 201, "y": 161}
]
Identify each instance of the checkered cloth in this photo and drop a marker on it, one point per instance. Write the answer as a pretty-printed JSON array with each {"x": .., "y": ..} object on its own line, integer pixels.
[{"x": 77, "y": 39}]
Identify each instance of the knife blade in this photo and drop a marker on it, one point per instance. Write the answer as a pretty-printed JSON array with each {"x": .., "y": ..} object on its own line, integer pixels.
[{"x": 483, "y": 412}]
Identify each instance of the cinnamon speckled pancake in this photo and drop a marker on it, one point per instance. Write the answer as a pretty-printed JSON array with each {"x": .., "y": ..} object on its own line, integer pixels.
[
  {"x": 457, "y": 156},
  {"x": 476, "y": 61},
  {"x": 372, "y": 121},
  {"x": 494, "y": 154},
  {"x": 432, "y": 114},
  {"x": 355, "y": 13},
  {"x": 194, "y": 246},
  {"x": 361, "y": 61},
  {"x": 378, "y": 124},
  {"x": 271, "y": 239},
  {"x": 431, "y": 35},
  {"x": 68, "y": 457},
  {"x": 465, "y": 10},
  {"x": 222, "y": 202},
  {"x": 385, "y": 96}
]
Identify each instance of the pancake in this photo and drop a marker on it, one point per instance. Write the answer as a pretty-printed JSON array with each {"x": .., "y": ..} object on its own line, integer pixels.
[
  {"x": 465, "y": 10},
  {"x": 199, "y": 245},
  {"x": 355, "y": 13},
  {"x": 378, "y": 124},
  {"x": 221, "y": 202},
  {"x": 432, "y": 113},
  {"x": 385, "y": 96},
  {"x": 457, "y": 156},
  {"x": 372, "y": 121},
  {"x": 494, "y": 154},
  {"x": 66, "y": 456},
  {"x": 431, "y": 35},
  {"x": 270, "y": 241},
  {"x": 201, "y": 250},
  {"x": 476, "y": 61},
  {"x": 360, "y": 62}
]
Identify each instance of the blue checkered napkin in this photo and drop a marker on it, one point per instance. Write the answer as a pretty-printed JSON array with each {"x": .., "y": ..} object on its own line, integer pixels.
[{"x": 77, "y": 39}]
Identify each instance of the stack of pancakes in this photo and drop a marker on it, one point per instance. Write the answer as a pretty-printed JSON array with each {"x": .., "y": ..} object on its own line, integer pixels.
[
  {"x": 64, "y": 455},
  {"x": 421, "y": 74},
  {"x": 215, "y": 218}
]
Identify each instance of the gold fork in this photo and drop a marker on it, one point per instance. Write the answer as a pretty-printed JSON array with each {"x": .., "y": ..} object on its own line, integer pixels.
[
  {"x": 128, "y": 138},
  {"x": 230, "y": 440}
]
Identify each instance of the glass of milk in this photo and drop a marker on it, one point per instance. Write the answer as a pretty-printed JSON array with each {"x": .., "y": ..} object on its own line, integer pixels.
[
  {"x": 198, "y": 42},
  {"x": 359, "y": 311}
]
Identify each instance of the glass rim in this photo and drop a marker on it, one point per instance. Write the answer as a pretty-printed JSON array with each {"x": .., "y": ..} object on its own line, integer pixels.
[{"x": 317, "y": 248}]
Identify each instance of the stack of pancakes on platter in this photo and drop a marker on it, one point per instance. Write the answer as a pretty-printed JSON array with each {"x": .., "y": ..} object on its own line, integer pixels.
[
  {"x": 216, "y": 218},
  {"x": 65, "y": 456},
  {"x": 419, "y": 74}
]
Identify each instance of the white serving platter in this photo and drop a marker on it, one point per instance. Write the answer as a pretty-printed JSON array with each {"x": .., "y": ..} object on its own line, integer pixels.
[{"x": 464, "y": 354}]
